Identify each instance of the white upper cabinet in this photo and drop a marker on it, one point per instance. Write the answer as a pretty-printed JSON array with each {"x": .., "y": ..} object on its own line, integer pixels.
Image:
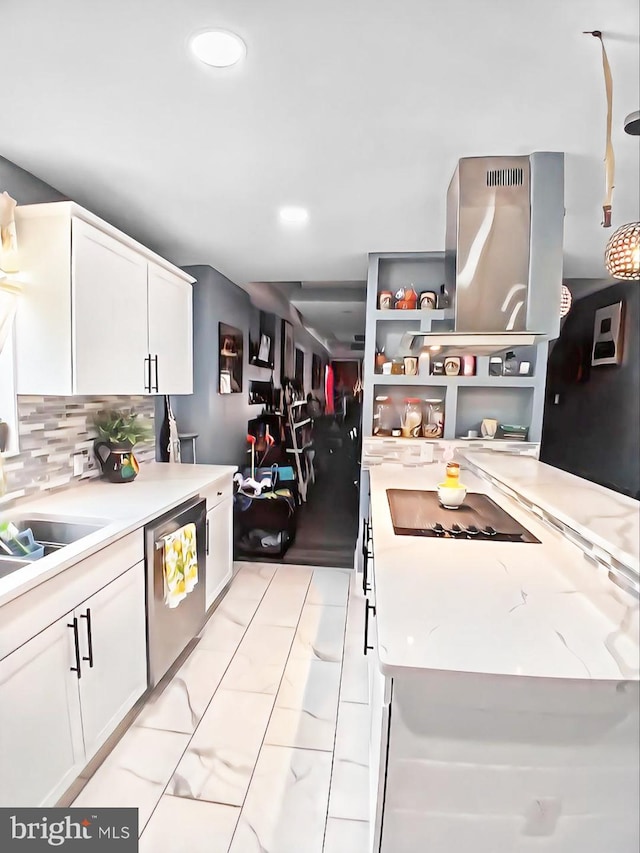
[
  {"x": 100, "y": 313},
  {"x": 170, "y": 332},
  {"x": 109, "y": 314}
]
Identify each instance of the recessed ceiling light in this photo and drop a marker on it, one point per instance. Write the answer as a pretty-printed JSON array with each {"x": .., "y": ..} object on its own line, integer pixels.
[
  {"x": 294, "y": 215},
  {"x": 218, "y": 48}
]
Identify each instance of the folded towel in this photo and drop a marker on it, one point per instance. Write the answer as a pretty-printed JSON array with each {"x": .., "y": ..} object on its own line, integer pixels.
[{"x": 180, "y": 564}]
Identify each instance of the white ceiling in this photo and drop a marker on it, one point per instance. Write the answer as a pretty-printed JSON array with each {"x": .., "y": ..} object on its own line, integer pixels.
[
  {"x": 335, "y": 310},
  {"x": 356, "y": 109}
]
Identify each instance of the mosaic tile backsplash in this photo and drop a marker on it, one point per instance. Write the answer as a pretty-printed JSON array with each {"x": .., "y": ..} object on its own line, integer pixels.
[{"x": 52, "y": 430}]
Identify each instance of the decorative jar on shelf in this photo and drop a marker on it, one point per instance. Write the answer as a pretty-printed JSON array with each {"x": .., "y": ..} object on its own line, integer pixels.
[
  {"x": 406, "y": 298},
  {"x": 412, "y": 418},
  {"x": 385, "y": 300},
  {"x": 433, "y": 426},
  {"x": 380, "y": 361},
  {"x": 383, "y": 416}
]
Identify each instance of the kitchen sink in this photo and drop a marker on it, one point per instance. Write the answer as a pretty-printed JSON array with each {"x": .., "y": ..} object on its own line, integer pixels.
[
  {"x": 52, "y": 533},
  {"x": 9, "y": 565}
]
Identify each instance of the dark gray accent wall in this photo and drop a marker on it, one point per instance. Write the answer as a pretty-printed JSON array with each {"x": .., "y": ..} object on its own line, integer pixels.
[
  {"x": 25, "y": 187},
  {"x": 594, "y": 428},
  {"x": 219, "y": 419}
]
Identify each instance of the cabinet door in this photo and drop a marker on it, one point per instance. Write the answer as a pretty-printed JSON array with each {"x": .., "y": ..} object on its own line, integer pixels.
[
  {"x": 379, "y": 704},
  {"x": 219, "y": 549},
  {"x": 170, "y": 332},
  {"x": 114, "y": 655},
  {"x": 41, "y": 749},
  {"x": 109, "y": 298}
]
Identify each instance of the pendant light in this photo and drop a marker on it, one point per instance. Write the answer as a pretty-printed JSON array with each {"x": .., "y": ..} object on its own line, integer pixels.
[
  {"x": 565, "y": 301},
  {"x": 622, "y": 255}
]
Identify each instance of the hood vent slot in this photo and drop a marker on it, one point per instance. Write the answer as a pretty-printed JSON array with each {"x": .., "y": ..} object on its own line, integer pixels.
[{"x": 505, "y": 177}]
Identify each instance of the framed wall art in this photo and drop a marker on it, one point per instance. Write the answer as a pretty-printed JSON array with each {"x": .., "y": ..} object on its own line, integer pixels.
[
  {"x": 262, "y": 342},
  {"x": 299, "y": 368},
  {"x": 608, "y": 331},
  {"x": 316, "y": 371},
  {"x": 230, "y": 359},
  {"x": 287, "y": 361}
]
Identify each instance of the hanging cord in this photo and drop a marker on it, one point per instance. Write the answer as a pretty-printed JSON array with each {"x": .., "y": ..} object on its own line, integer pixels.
[{"x": 609, "y": 157}]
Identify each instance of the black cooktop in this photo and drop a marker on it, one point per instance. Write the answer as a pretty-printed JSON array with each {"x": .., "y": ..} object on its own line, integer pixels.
[{"x": 418, "y": 513}]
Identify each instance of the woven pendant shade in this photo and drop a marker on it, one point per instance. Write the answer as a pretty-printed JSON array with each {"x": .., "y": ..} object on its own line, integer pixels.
[
  {"x": 622, "y": 255},
  {"x": 565, "y": 301}
]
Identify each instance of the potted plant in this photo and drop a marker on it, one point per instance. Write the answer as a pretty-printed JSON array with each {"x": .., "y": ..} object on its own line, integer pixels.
[{"x": 118, "y": 433}]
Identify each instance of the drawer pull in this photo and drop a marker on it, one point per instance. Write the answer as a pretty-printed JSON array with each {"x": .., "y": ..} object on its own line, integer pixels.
[
  {"x": 89, "y": 657},
  {"x": 74, "y": 626},
  {"x": 367, "y": 608}
]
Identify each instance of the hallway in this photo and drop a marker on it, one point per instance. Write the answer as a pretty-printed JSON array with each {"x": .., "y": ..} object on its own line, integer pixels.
[{"x": 328, "y": 522}]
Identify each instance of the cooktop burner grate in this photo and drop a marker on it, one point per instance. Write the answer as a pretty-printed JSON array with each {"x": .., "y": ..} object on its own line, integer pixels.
[{"x": 419, "y": 513}]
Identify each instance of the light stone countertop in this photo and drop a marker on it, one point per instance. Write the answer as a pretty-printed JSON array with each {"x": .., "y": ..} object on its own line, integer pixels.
[
  {"x": 119, "y": 507},
  {"x": 502, "y": 608},
  {"x": 606, "y": 518}
]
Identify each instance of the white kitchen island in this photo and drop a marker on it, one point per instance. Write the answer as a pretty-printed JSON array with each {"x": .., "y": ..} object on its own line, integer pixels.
[{"x": 503, "y": 678}]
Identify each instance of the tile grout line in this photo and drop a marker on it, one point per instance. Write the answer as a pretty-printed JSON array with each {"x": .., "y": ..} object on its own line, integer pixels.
[
  {"x": 209, "y": 702},
  {"x": 275, "y": 699}
]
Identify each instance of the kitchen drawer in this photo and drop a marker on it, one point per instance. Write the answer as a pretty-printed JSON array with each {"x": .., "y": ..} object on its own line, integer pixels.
[{"x": 220, "y": 491}]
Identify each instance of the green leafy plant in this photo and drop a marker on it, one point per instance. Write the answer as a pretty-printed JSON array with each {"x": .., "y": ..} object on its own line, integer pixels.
[{"x": 122, "y": 427}]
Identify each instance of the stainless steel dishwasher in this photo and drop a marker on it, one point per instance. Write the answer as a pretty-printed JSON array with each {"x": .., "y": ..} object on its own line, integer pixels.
[{"x": 169, "y": 630}]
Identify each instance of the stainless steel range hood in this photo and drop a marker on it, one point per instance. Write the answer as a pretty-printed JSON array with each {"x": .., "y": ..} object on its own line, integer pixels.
[
  {"x": 476, "y": 343},
  {"x": 503, "y": 254}
]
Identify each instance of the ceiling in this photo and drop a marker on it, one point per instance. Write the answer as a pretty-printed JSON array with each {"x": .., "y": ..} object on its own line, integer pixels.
[
  {"x": 334, "y": 309},
  {"x": 357, "y": 110}
]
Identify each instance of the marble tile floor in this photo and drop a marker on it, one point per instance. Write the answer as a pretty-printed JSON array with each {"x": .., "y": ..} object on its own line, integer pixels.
[{"x": 259, "y": 742}]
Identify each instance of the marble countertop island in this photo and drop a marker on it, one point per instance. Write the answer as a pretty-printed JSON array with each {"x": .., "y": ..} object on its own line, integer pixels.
[
  {"x": 119, "y": 508},
  {"x": 607, "y": 519},
  {"x": 538, "y": 610}
]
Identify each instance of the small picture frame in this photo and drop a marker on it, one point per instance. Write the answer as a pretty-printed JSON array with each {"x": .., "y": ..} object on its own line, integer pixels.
[
  {"x": 264, "y": 350},
  {"x": 230, "y": 359},
  {"x": 524, "y": 368}
]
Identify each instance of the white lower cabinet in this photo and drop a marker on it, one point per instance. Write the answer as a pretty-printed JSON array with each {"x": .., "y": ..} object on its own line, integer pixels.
[
  {"x": 64, "y": 692},
  {"x": 379, "y": 710},
  {"x": 219, "y": 568},
  {"x": 112, "y": 638},
  {"x": 40, "y": 722}
]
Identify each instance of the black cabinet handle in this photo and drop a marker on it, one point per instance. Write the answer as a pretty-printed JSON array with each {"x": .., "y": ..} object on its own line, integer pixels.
[
  {"x": 207, "y": 537},
  {"x": 366, "y": 555},
  {"x": 219, "y": 493},
  {"x": 365, "y": 537},
  {"x": 155, "y": 361},
  {"x": 365, "y": 573},
  {"x": 367, "y": 608},
  {"x": 74, "y": 625},
  {"x": 89, "y": 657},
  {"x": 147, "y": 374}
]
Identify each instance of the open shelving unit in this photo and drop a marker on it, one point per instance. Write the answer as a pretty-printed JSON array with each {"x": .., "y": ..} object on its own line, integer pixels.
[{"x": 510, "y": 399}]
